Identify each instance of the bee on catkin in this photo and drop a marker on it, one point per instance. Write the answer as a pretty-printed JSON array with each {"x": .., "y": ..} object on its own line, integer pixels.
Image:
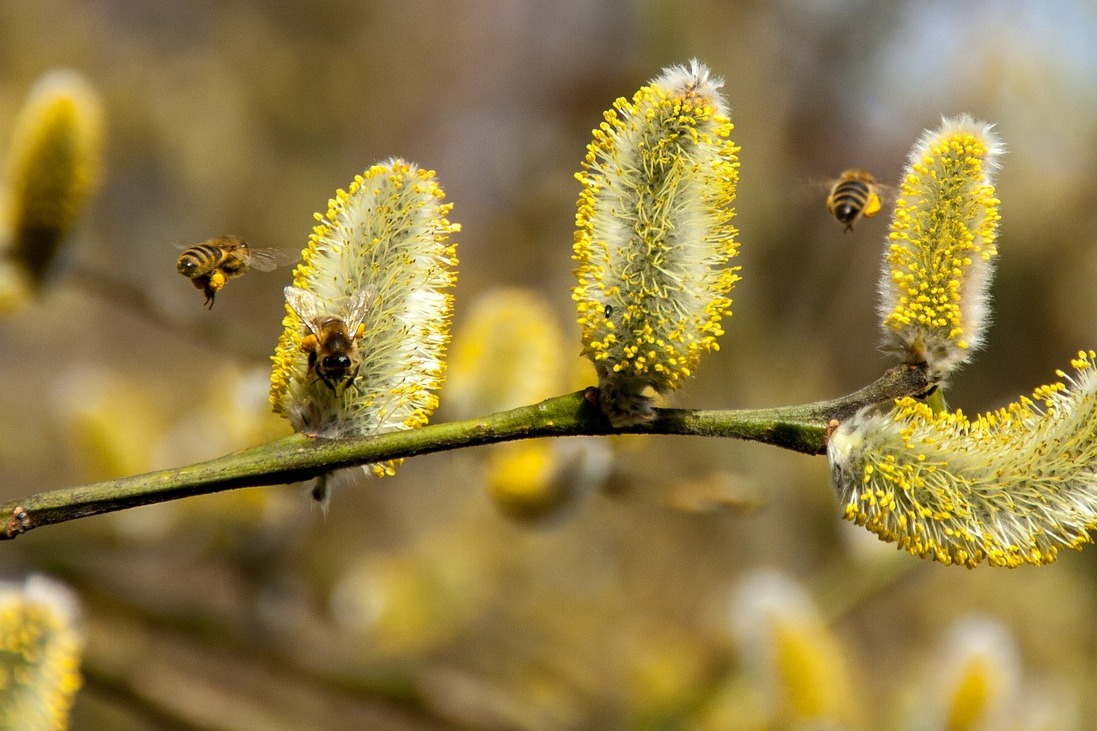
[
  {"x": 367, "y": 317},
  {"x": 332, "y": 340}
]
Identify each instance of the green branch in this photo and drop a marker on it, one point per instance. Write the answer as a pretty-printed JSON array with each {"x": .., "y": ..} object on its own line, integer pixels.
[{"x": 296, "y": 458}]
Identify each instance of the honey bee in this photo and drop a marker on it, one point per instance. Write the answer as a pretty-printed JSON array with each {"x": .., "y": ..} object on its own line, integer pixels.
[
  {"x": 332, "y": 339},
  {"x": 212, "y": 263},
  {"x": 853, "y": 195}
]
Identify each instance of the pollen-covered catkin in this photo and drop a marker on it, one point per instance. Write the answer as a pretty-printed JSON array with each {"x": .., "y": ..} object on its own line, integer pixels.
[
  {"x": 54, "y": 165},
  {"x": 940, "y": 260},
  {"x": 1009, "y": 487},
  {"x": 653, "y": 238},
  {"x": 40, "y": 648},
  {"x": 367, "y": 318},
  {"x": 507, "y": 352},
  {"x": 795, "y": 659}
]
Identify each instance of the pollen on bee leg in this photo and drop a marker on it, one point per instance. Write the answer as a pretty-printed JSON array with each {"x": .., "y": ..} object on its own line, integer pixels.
[
  {"x": 872, "y": 207},
  {"x": 216, "y": 280}
]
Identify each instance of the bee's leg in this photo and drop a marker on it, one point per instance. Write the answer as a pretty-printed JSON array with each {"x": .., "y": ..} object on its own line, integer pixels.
[
  {"x": 214, "y": 283},
  {"x": 202, "y": 283},
  {"x": 312, "y": 358},
  {"x": 872, "y": 207},
  {"x": 210, "y": 293},
  {"x": 352, "y": 379},
  {"x": 217, "y": 280}
]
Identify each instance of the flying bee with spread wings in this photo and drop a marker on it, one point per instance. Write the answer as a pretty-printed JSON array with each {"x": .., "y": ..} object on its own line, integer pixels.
[{"x": 211, "y": 263}]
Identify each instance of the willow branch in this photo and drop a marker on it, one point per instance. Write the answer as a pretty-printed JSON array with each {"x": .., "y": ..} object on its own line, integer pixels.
[
  {"x": 296, "y": 458},
  {"x": 124, "y": 294}
]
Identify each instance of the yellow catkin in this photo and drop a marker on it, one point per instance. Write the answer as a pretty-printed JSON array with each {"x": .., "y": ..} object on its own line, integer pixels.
[
  {"x": 1010, "y": 487},
  {"x": 942, "y": 245},
  {"x": 654, "y": 237},
  {"x": 40, "y": 648},
  {"x": 384, "y": 240},
  {"x": 508, "y": 351},
  {"x": 54, "y": 165},
  {"x": 973, "y": 680},
  {"x": 787, "y": 648}
]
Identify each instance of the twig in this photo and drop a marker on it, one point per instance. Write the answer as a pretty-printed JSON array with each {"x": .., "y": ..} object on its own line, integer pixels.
[
  {"x": 135, "y": 299},
  {"x": 296, "y": 458}
]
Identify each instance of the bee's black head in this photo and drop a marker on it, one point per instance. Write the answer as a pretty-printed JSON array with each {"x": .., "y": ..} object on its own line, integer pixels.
[{"x": 335, "y": 362}]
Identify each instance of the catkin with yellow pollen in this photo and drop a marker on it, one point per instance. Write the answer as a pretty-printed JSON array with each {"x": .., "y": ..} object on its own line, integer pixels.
[
  {"x": 40, "y": 649},
  {"x": 1010, "y": 487},
  {"x": 509, "y": 351},
  {"x": 940, "y": 259},
  {"x": 54, "y": 166},
  {"x": 794, "y": 658},
  {"x": 386, "y": 240},
  {"x": 654, "y": 237}
]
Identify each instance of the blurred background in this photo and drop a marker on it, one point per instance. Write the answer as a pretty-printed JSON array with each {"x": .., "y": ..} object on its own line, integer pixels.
[{"x": 593, "y": 584}]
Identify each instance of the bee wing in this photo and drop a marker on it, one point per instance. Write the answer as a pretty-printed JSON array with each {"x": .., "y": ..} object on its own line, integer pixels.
[
  {"x": 266, "y": 260},
  {"x": 809, "y": 191},
  {"x": 307, "y": 306},
  {"x": 358, "y": 307},
  {"x": 810, "y": 187},
  {"x": 887, "y": 193}
]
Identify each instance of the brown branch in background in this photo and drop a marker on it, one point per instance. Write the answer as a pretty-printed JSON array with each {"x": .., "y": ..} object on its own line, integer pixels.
[{"x": 124, "y": 294}]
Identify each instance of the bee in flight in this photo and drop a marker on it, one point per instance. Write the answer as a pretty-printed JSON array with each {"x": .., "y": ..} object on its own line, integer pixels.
[
  {"x": 853, "y": 195},
  {"x": 332, "y": 339},
  {"x": 212, "y": 263}
]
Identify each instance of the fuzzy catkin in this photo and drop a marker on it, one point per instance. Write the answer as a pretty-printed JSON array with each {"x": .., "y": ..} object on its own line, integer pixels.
[
  {"x": 384, "y": 239},
  {"x": 1010, "y": 487},
  {"x": 935, "y": 279},
  {"x": 653, "y": 238}
]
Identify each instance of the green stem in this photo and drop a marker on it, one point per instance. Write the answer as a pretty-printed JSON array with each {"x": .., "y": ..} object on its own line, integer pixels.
[{"x": 296, "y": 458}]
